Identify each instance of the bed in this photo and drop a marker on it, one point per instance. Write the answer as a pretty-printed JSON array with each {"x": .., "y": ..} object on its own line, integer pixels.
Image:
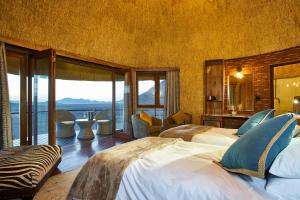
[
  {"x": 163, "y": 168},
  {"x": 198, "y": 162},
  {"x": 202, "y": 134}
]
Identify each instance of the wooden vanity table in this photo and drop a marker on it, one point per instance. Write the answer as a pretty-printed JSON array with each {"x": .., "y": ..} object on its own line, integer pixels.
[
  {"x": 224, "y": 120},
  {"x": 222, "y": 91}
]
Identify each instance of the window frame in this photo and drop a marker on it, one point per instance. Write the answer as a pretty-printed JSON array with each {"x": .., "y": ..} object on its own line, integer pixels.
[
  {"x": 23, "y": 56},
  {"x": 156, "y": 76}
]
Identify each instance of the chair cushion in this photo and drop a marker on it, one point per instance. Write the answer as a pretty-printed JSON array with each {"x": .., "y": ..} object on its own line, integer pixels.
[
  {"x": 255, "y": 151},
  {"x": 154, "y": 130},
  {"x": 179, "y": 117},
  {"x": 67, "y": 122},
  {"x": 23, "y": 168},
  {"x": 256, "y": 119},
  {"x": 147, "y": 118}
]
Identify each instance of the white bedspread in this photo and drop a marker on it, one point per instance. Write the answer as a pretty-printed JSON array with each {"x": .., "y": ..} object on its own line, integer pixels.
[{"x": 186, "y": 171}]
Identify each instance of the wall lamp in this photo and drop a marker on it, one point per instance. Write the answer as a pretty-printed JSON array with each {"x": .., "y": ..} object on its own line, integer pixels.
[
  {"x": 296, "y": 100},
  {"x": 239, "y": 74}
]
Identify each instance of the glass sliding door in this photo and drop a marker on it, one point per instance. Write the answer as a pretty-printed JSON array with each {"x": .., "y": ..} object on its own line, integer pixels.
[
  {"x": 16, "y": 66},
  {"x": 122, "y": 102},
  {"x": 43, "y": 105},
  {"x": 82, "y": 88}
]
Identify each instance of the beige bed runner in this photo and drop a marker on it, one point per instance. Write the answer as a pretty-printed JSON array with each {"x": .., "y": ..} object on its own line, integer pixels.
[
  {"x": 185, "y": 132},
  {"x": 100, "y": 177}
]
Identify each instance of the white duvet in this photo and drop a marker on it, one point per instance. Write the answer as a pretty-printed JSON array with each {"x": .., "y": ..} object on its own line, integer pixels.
[{"x": 185, "y": 171}]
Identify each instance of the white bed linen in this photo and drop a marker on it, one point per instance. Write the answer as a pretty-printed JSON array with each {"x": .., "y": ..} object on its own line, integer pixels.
[
  {"x": 217, "y": 136},
  {"x": 284, "y": 188},
  {"x": 185, "y": 171}
]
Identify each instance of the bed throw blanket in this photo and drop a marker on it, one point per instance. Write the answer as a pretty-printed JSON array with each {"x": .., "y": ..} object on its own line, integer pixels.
[
  {"x": 100, "y": 177},
  {"x": 185, "y": 132}
]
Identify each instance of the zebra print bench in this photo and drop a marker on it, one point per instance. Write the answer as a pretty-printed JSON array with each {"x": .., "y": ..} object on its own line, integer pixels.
[{"x": 23, "y": 170}]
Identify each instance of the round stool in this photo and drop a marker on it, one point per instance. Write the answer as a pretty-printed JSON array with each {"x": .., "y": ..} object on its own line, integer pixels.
[{"x": 103, "y": 127}]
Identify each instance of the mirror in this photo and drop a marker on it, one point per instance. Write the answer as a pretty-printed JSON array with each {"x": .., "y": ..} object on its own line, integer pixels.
[
  {"x": 286, "y": 80},
  {"x": 240, "y": 92}
]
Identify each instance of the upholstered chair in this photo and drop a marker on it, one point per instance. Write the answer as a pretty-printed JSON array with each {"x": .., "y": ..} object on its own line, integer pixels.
[
  {"x": 170, "y": 123},
  {"x": 142, "y": 128},
  {"x": 65, "y": 122}
]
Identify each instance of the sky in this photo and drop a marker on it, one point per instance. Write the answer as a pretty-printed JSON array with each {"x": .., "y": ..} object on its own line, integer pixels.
[{"x": 92, "y": 90}]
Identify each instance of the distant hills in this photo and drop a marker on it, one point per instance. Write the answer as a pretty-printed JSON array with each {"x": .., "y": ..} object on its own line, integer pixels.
[
  {"x": 77, "y": 101},
  {"x": 145, "y": 98}
]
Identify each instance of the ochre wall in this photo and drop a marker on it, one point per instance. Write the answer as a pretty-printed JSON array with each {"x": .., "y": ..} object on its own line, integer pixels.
[{"x": 157, "y": 33}]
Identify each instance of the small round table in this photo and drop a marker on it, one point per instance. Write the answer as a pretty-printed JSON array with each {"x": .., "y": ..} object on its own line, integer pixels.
[
  {"x": 86, "y": 131},
  {"x": 103, "y": 127}
]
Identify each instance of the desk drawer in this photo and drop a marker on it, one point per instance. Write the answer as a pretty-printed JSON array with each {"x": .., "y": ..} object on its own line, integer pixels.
[
  {"x": 214, "y": 123},
  {"x": 231, "y": 122}
]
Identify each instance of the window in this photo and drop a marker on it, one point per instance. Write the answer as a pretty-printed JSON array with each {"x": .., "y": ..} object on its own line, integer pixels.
[
  {"x": 122, "y": 98},
  {"x": 13, "y": 68},
  {"x": 41, "y": 82},
  {"x": 151, "y": 93},
  {"x": 83, "y": 88}
]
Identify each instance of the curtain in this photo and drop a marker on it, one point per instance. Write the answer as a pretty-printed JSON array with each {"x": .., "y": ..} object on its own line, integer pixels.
[
  {"x": 5, "y": 120},
  {"x": 172, "y": 97}
]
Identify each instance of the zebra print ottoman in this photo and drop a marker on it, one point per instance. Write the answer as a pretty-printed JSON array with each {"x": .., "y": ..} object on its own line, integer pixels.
[{"x": 24, "y": 169}]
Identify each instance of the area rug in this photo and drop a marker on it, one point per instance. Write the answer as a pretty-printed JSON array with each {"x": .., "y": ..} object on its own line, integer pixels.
[{"x": 57, "y": 187}]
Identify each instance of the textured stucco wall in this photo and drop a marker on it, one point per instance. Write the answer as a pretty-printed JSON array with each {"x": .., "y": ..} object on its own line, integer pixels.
[{"x": 159, "y": 33}]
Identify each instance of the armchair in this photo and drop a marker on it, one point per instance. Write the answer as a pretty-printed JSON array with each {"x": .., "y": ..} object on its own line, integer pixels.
[
  {"x": 170, "y": 123},
  {"x": 143, "y": 129}
]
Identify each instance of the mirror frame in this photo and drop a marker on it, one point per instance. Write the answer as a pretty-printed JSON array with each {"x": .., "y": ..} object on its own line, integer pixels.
[
  {"x": 272, "y": 66},
  {"x": 228, "y": 95}
]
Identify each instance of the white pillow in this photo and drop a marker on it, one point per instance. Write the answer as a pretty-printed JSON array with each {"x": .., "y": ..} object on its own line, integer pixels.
[
  {"x": 297, "y": 131},
  {"x": 284, "y": 188},
  {"x": 213, "y": 138},
  {"x": 287, "y": 163}
]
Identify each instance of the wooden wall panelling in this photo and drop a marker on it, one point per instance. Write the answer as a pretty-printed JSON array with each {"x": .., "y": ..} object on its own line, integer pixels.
[{"x": 213, "y": 86}]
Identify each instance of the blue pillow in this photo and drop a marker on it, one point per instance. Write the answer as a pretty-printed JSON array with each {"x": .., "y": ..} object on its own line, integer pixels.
[
  {"x": 254, "y": 120},
  {"x": 255, "y": 151}
]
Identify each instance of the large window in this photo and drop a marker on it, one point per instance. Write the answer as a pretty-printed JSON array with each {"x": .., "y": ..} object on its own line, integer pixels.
[
  {"x": 41, "y": 83},
  {"x": 151, "y": 93},
  {"x": 83, "y": 88}
]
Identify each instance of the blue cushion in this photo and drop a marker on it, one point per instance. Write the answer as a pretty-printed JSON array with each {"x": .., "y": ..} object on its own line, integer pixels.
[
  {"x": 255, "y": 151},
  {"x": 254, "y": 120}
]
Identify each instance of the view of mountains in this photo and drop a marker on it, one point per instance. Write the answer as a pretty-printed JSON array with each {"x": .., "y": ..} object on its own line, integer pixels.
[
  {"x": 79, "y": 107},
  {"x": 145, "y": 98},
  {"x": 148, "y": 97},
  {"x": 77, "y": 101}
]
